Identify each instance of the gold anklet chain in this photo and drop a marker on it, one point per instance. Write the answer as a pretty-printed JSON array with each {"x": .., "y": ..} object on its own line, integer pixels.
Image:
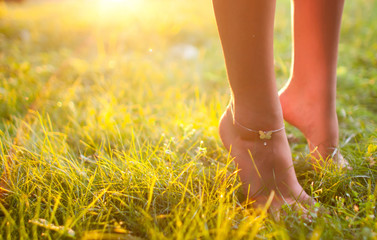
[{"x": 263, "y": 135}]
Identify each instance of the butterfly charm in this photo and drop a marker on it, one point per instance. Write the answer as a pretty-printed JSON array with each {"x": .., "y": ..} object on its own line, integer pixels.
[{"x": 265, "y": 135}]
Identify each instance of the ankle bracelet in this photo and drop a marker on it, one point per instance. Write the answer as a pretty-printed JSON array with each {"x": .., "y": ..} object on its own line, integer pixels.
[{"x": 263, "y": 135}]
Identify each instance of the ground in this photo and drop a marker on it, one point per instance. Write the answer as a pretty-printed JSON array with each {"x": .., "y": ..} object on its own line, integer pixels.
[{"x": 109, "y": 113}]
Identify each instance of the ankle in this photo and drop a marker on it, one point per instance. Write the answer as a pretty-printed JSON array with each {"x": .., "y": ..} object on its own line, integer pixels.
[
  {"x": 319, "y": 92},
  {"x": 264, "y": 120}
]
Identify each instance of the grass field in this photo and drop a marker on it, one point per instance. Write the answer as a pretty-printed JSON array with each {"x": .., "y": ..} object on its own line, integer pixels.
[{"x": 108, "y": 125}]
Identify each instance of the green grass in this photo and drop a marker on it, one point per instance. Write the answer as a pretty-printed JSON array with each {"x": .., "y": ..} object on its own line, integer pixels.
[{"x": 111, "y": 131}]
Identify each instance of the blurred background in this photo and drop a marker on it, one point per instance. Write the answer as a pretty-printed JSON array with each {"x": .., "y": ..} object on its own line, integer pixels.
[{"x": 98, "y": 62}]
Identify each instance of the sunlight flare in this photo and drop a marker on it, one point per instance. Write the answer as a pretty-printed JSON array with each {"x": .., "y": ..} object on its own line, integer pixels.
[{"x": 112, "y": 6}]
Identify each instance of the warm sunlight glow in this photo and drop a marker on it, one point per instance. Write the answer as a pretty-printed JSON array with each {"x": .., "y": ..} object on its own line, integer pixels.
[{"x": 113, "y": 6}]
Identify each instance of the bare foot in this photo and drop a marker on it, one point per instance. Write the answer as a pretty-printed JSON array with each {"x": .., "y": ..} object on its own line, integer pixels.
[
  {"x": 263, "y": 168},
  {"x": 317, "y": 120}
]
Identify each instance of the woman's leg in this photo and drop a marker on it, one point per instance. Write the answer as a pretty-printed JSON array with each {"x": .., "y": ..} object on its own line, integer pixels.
[
  {"x": 308, "y": 100},
  {"x": 246, "y": 33}
]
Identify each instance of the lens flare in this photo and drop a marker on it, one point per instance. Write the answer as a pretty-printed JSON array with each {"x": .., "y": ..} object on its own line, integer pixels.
[{"x": 117, "y": 5}]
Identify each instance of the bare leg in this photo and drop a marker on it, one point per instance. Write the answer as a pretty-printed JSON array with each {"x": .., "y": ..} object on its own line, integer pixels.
[
  {"x": 308, "y": 100},
  {"x": 246, "y": 32}
]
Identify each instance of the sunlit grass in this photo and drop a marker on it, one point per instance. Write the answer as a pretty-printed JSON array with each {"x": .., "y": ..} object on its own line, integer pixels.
[{"x": 108, "y": 128}]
